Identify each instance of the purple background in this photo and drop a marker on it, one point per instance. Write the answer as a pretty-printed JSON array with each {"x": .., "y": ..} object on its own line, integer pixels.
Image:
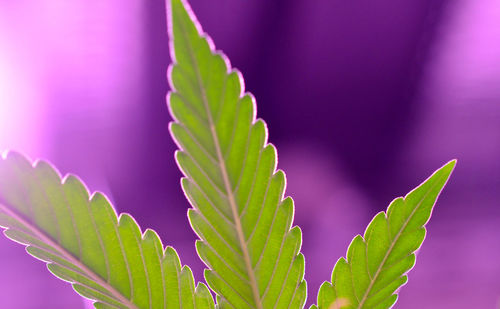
[{"x": 363, "y": 99}]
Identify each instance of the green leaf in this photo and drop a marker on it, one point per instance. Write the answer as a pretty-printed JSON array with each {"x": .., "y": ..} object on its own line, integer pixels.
[
  {"x": 376, "y": 264},
  {"x": 107, "y": 259},
  {"x": 239, "y": 210}
]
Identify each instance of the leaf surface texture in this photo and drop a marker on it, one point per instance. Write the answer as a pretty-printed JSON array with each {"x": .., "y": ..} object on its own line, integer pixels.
[
  {"x": 106, "y": 258},
  {"x": 377, "y": 263},
  {"x": 239, "y": 210}
]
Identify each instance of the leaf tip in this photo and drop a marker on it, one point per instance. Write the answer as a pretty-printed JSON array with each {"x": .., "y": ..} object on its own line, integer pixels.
[
  {"x": 4, "y": 153},
  {"x": 175, "y": 10},
  {"x": 15, "y": 155},
  {"x": 447, "y": 169},
  {"x": 451, "y": 164}
]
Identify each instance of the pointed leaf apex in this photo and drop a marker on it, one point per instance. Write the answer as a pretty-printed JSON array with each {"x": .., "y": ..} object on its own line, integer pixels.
[
  {"x": 451, "y": 164},
  {"x": 445, "y": 171}
]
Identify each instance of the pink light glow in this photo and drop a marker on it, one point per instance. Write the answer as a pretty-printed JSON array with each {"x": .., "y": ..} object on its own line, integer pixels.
[
  {"x": 466, "y": 66},
  {"x": 69, "y": 78},
  {"x": 20, "y": 124}
]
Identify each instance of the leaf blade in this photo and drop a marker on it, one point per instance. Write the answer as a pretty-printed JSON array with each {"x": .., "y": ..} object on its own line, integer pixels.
[
  {"x": 376, "y": 264},
  {"x": 106, "y": 258},
  {"x": 239, "y": 211}
]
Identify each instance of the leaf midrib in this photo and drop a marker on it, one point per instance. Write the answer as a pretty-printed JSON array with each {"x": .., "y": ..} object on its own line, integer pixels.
[
  {"x": 393, "y": 243},
  {"x": 68, "y": 256},
  {"x": 225, "y": 177}
]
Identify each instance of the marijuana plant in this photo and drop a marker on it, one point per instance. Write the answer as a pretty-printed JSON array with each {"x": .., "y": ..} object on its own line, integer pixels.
[{"x": 240, "y": 214}]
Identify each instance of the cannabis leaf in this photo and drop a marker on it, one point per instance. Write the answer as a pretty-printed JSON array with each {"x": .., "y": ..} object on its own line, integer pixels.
[
  {"x": 376, "y": 264},
  {"x": 106, "y": 258},
  {"x": 239, "y": 213}
]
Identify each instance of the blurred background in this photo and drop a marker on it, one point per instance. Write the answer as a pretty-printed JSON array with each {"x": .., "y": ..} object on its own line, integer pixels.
[{"x": 363, "y": 99}]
